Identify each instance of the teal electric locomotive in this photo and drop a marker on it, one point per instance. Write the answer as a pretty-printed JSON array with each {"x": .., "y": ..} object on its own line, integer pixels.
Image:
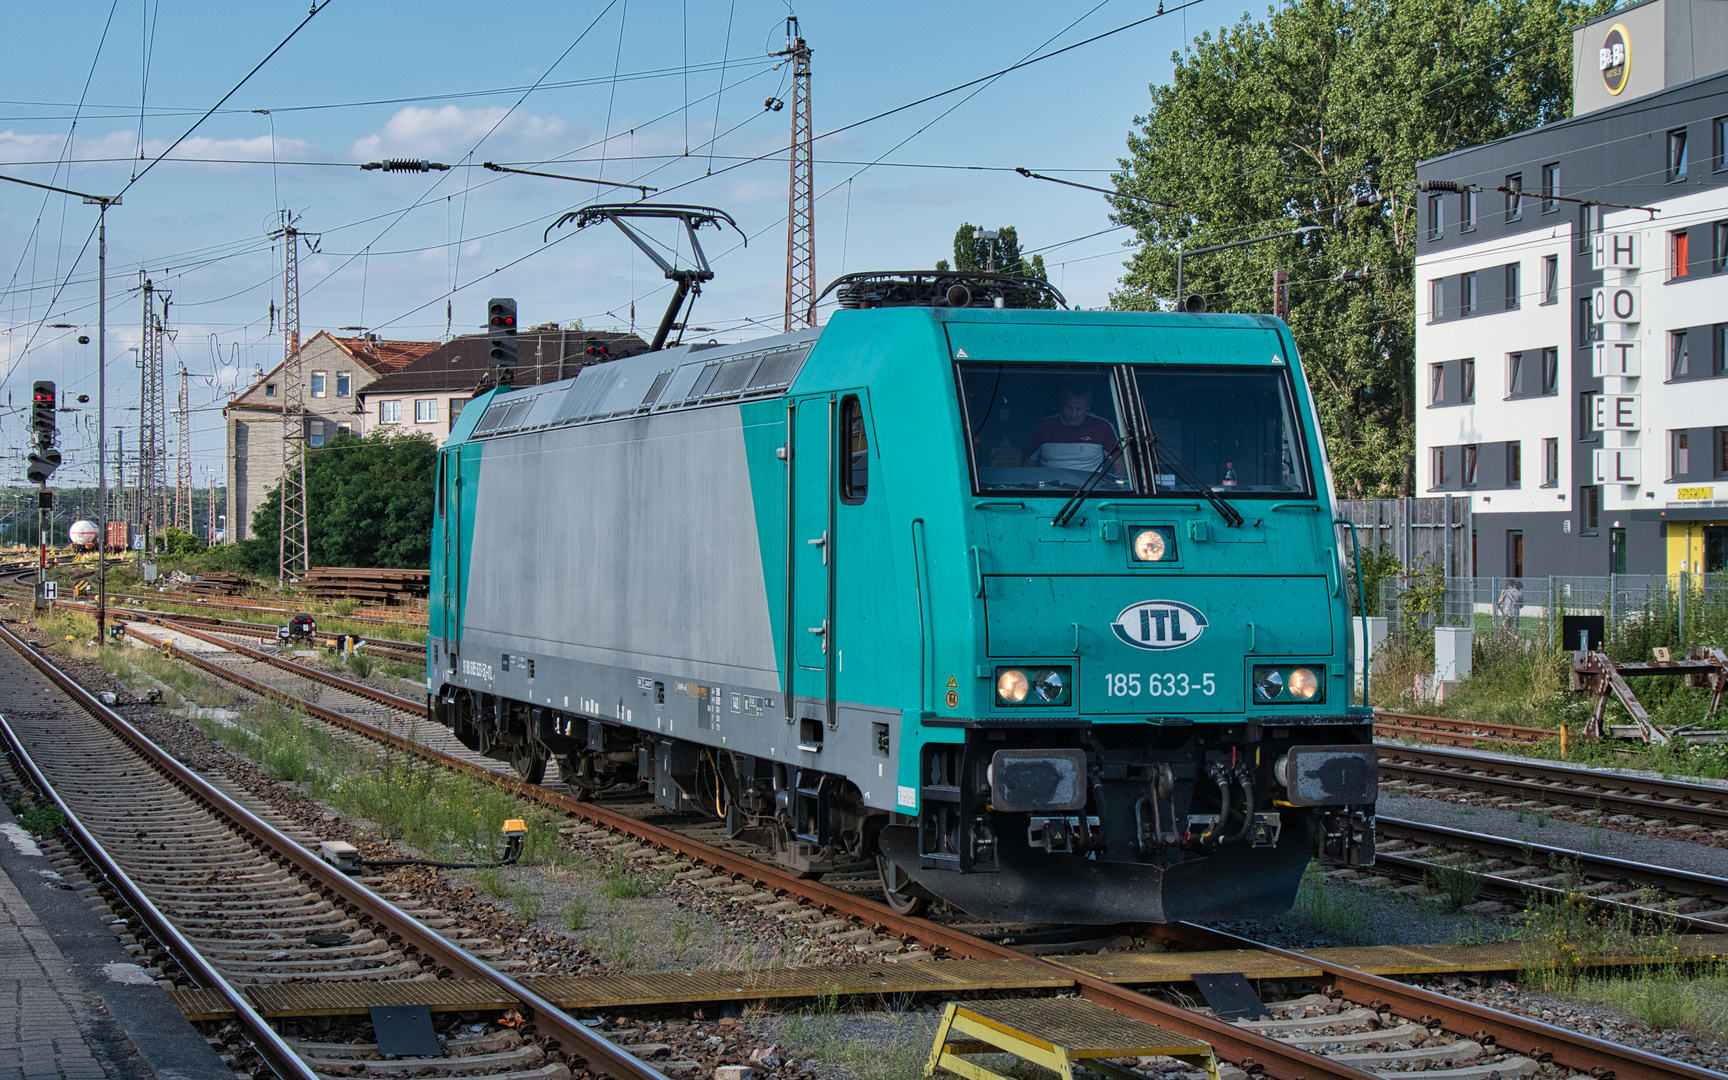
[{"x": 1041, "y": 611}]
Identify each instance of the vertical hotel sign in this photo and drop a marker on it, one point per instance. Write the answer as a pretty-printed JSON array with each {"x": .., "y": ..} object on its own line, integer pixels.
[{"x": 1615, "y": 59}]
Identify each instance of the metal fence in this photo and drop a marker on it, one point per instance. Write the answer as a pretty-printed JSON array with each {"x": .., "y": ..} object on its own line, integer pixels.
[
  {"x": 1420, "y": 532},
  {"x": 1685, "y": 609}
]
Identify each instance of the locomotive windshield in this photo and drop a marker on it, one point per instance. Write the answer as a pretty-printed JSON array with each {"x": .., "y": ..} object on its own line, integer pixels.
[{"x": 1044, "y": 428}]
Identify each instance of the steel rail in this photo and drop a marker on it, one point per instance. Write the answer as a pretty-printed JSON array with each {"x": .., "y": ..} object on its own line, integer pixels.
[
  {"x": 175, "y": 620},
  {"x": 265, "y": 1039},
  {"x": 579, "y": 1041},
  {"x": 236, "y": 604},
  {"x": 1280, "y": 1060},
  {"x": 1534, "y": 1039},
  {"x": 1559, "y": 783},
  {"x": 1452, "y": 731}
]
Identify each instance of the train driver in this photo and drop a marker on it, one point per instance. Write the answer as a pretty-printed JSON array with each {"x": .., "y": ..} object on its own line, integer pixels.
[{"x": 1073, "y": 438}]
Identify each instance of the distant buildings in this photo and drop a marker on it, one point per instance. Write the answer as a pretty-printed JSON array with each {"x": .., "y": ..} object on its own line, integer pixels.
[{"x": 1571, "y": 353}]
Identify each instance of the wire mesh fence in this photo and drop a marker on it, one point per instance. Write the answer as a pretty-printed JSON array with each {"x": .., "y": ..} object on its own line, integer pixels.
[{"x": 1681, "y": 609}]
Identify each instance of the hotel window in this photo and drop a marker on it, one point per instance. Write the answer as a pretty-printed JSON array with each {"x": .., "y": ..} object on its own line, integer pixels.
[
  {"x": 318, "y": 384},
  {"x": 1719, "y": 142},
  {"x": 1467, "y": 211},
  {"x": 1515, "y": 553},
  {"x": 1550, "y": 187},
  {"x": 1436, "y": 216},
  {"x": 1512, "y": 276},
  {"x": 1679, "y": 253},
  {"x": 1551, "y": 279},
  {"x": 1550, "y": 371},
  {"x": 315, "y": 432},
  {"x": 1679, "y": 357},
  {"x": 1514, "y": 464},
  {"x": 1719, "y": 349},
  {"x": 1719, "y": 247},
  {"x": 389, "y": 412},
  {"x": 1587, "y": 416},
  {"x": 1436, "y": 300},
  {"x": 1677, "y": 155},
  {"x": 1467, "y": 294},
  {"x": 1514, "y": 374},
  {"x": 1550, "y": 462},
  {"x": 344, "y": 384},
  {"x": 1679, "y": 455},
  {"x": 1590, "y": 509},
  {"x": 1588, "y": 330},
  {"x": 1722, "y": 451},
  {"x": 1589, "y": 223},
  {"x": 1437, "y": 467},
  {"x": 1515, "y": 197},
  {"x": 1471, "y": 459},
  {"x": 1436, "y": 384},
  {"x": 1466, "y": 381},
  {"x": 426, "y": 411}
]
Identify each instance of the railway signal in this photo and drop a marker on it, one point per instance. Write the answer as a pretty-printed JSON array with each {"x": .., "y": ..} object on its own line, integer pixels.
[
  {"x": 41, "y": 465},
  {"x": 42, "y": 420},
  {"x": 501, "y": 332}
]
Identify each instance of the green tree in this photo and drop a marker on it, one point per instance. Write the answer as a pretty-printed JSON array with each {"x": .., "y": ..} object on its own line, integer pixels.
[
  {"x": 972, "y": 253},
  {"x": 1290, "y": 121},
  {"x": 368, "y": 503}
]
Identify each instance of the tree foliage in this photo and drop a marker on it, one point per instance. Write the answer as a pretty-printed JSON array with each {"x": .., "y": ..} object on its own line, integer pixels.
[
  {"x": 368, "y": 503},
  {"x": 1287, "y": 122},
  {"x": 972, "y": 253}
]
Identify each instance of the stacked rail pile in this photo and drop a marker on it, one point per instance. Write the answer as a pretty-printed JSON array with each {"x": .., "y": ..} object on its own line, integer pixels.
[
  {"x": 217, "y": 584},
  {"x": 365, "y": 583}
]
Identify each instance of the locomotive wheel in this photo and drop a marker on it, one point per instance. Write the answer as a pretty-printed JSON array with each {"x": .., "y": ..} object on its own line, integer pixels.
[
  {"x": 900, "y": 891},
  {"x": 529, "y": 763}
]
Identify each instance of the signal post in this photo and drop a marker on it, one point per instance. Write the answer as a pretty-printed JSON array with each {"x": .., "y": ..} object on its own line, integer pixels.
[{"x": 41, "y": 465}]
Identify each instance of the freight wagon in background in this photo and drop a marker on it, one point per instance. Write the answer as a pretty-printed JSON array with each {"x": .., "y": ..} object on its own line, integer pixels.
[{"x": 1041, "y": 611}]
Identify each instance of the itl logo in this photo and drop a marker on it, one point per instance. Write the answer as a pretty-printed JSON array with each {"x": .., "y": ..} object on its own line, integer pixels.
[{"x": 1159, "y": 624}]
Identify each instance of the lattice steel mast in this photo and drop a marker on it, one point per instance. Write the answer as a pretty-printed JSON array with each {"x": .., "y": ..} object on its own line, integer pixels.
[
  {"x": 183, "y": 457},
  {"x": 801, "y": 190},
  {"x": 295, "y": 545},
  {"x": 153, "y": 416}
]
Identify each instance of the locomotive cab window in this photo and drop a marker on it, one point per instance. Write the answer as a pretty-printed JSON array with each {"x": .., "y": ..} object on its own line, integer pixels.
[
  {"x": 855, "y": 452},
  {"x": 1042, "y": 428},
  {"x": 1234, "y": 428}
]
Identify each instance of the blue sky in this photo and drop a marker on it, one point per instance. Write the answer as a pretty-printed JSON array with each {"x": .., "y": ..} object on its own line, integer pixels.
[{"x": 636, "y": 96}]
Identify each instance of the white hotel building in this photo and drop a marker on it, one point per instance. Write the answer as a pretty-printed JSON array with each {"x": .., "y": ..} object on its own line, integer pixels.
[{"x": 1572, "y": 354}]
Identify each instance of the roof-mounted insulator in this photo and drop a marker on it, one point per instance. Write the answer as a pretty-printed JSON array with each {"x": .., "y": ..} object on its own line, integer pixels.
[
  {"x": 1438, "y": 185},
  {"x": 405, "y": 165}
]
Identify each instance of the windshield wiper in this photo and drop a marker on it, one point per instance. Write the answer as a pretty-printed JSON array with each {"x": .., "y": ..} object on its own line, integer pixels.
[
  {"x": 1188, "y": 476},
  {"x": 1072, "y": 506}
]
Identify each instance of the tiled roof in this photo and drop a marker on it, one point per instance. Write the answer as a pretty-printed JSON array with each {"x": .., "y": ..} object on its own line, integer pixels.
[
  {"x": 383, "y": 357},
  {"x": 542, "y": 356}
]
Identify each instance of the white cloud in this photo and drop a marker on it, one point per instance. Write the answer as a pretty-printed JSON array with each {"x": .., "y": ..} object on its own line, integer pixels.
[
  {"x": 422, "y": 133},
  {"x": 15, "y": 146}
]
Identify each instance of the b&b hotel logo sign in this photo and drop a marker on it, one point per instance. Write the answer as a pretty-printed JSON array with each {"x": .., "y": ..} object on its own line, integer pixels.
[{"x": 1615, "y": 59}]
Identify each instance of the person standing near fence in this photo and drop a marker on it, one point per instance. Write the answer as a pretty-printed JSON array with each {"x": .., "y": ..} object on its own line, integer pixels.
[{"x": 1510, "y": 601}]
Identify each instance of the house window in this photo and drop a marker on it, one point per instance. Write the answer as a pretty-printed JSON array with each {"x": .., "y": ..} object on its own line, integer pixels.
[
  {"x": 1436, "y": 384},
  {"x": 344, "y": 429},
  {"x": 1467, "y": 381},
  {"x": 1551, "y": 279},
  {"x": 1550, "y": 187},
  {"x": 1550, "y": 371},
  {"x": 1514, "y": 374},
  {"x": 456, "y": 404},
  {"x": 318, "y": 384},
  {"x": 1512, "y": 298},
  {"x": 1679, "y": 455},
  {"x": 426, "y": 411},
  {"x": 315, "y": 432},
  {"x": 389, "y": 412},
  {"x": 1719, "y": 247},
  {"x": 344, "y": 384},
  {"x": 1515, "y": 556},
  {"x": 1437, "y": 467},
  {"x": 1679, "y": 358},
  {"x": 1550, "y": 462},
  {"x": 1471, "y": 459},
  {"x": 1436, "y": 216},
  {"x": 1467, "y": 211},
  {"x": 1590, "y": 509},
  {"x": 1676, "y": 155},
  {"x": 1679, "y": 253},
  {"x": 1515, "y": 197},
  {"x": 1467, "y": 294},
  {"x": 269, "y": 389},
  {"x": 1514, "y": 464},
  {"x": 1436, "y": 300}
]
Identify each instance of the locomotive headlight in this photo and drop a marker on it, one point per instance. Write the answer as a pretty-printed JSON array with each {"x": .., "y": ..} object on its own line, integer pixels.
[
  {"x": 1303, "y": 684},
  {"x": 1151, "y": 545},
  {"x": 1268, "y": 683},
  {"x": 1051, "y": 685},
  {"x": 1012, "y": 685}
]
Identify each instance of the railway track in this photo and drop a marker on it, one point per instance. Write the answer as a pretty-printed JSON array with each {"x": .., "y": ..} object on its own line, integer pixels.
[
  {"x": 1451, "y": 732},
  {"x": 236, "y": 902},
  {"x": 388, "y": 648},
  {"x": 1423, "y": 1026},
  {"x": 1648, "y": 799}
]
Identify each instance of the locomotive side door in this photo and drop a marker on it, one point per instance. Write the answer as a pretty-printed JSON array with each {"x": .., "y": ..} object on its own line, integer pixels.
[
  {"x": 450, "y": 499},
  {"x": 810, "y": 542}
]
